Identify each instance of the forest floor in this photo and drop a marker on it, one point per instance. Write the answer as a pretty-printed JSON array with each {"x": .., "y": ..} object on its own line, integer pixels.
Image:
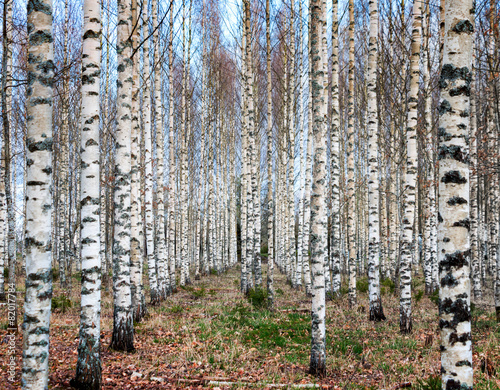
[{"x": 208, "y": 334}]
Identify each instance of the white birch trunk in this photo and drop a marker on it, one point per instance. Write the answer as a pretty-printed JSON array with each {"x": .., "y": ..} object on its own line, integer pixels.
[
  {"x": 136, "y": 226},
  {"x": 453, "y": 229},
  {"x": 88, "y": 366},
  {"x": 164, "y": 277},
  {"x": 351, "y": 206},
  {"x": 335, "y": 155},
  {"x": 123, "y": 327},
  {"x": 37, "y": 306},
  {"x": 319, "y": 228},
  {"x": 405, "y": 319},
  {"x": 148, "y": 169},
  {"x": 171, "y": 147},
  {"x": 376, "y": 311}
]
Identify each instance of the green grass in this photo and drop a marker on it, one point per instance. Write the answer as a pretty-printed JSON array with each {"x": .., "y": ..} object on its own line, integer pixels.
[
  {"x": 430, "y": 383},
  {"x": 262, "y": 330},
  {"x": 257, "y": 297},
  {"x": 362, "y": 285},
  {"x": 403, "y": 345},
  {"x": 348, "y": 342},
  {"x": 61, "y": 303},
  {"x": 176, "y": 309},
  {"x": 388, "y": 284}
]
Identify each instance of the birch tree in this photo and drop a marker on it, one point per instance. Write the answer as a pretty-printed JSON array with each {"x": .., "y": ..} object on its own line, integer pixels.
[
  {"x": 171, "y": 147},
  {"x": 35, "y": 370},
  {"x": 453, "y": 228},
  {"x": 88, "y": 367},
  {"x": 123, "y": 327},
  {"x": 376, "y": 311},
  {"x": 318, "y": 53},
  {"x": 270, "y": 203},
  {"x": 160, "y": 226},
  {"x": 335, "y": 157},
  {"x": 351, "y": 228},
  {"x": 148, "y": 171},
  {"x": 136, "y": 220},
  {"x": 405, "y": 319}
]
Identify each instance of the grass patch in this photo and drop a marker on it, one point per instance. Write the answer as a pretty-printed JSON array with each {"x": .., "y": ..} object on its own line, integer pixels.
[
  {"x": 61, "y": 303},
  {"x": 389, "y": 285},
  {"x": 419, "y": 295},
  {"x": 257, "y": 297},
  {"x": 262, "y": 330},
  {"x": 176, "y": 309},
  {"x": 199, "y": 293},
  {"x": 348, "y": 342},
  {"x": 362, "y": 285},
  {"x": 430, "y": 383},
  {"x": 403, "y": 345}
]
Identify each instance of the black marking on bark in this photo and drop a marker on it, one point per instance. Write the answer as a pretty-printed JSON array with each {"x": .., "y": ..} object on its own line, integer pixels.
[
  {"x": 449, "y": 280},
  {"x": 29, "y": 241},
  {"x": 91, "y": 34},
  {"x": 91, "y": 142},
  {"x": 450, "y": 72},
  {"x": 33, "y": 146},
  {"x": 463, "y": 338},
  {"x": 456, "y": 200},
  {"x": 454, "y": 152},
  {"x": 458, "y": 308},
  {"x": 39, "y": 6},
  {"x": 461, "y": 90},
  {"x": 463, "y": 223},
  {"x": 456, "y": 259},
  {"x": 453, "y": 177},
  {"x": 443, "y": 134},
  {"x": 463, "y": 26},
  {"x": 38, "y": 101},
  {"x": 444, "y": 107}
]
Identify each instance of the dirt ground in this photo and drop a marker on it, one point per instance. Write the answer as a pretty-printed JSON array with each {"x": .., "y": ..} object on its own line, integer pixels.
[{"x": 208, "y": 335}]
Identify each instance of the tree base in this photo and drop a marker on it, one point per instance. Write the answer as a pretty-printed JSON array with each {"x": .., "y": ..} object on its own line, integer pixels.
[
  {"x": 377, "y": 314},
  {"x": 317, "y": 368},
  {"x": 74, "y": 383},
  {"x": 87, "y": 380},
  {"x": 123, "y": 337},
  {"x": 405, "y": 324},
  {"x": 497, "y": 310}
]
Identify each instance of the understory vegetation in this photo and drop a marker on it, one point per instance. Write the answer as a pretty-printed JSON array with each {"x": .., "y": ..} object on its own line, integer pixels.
[{"x": 208, "y": 332}]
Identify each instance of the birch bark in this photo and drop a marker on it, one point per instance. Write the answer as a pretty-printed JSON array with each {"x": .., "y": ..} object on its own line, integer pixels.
[
  {"x": 319, "y": 251},
  {"x": 37, "y": 306},
  {"x": 123, "y": 327},
  {"x": 376, "y": 311},
  {"x": 453, "y": 228},
  {"x": 88, "y": 366}
]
